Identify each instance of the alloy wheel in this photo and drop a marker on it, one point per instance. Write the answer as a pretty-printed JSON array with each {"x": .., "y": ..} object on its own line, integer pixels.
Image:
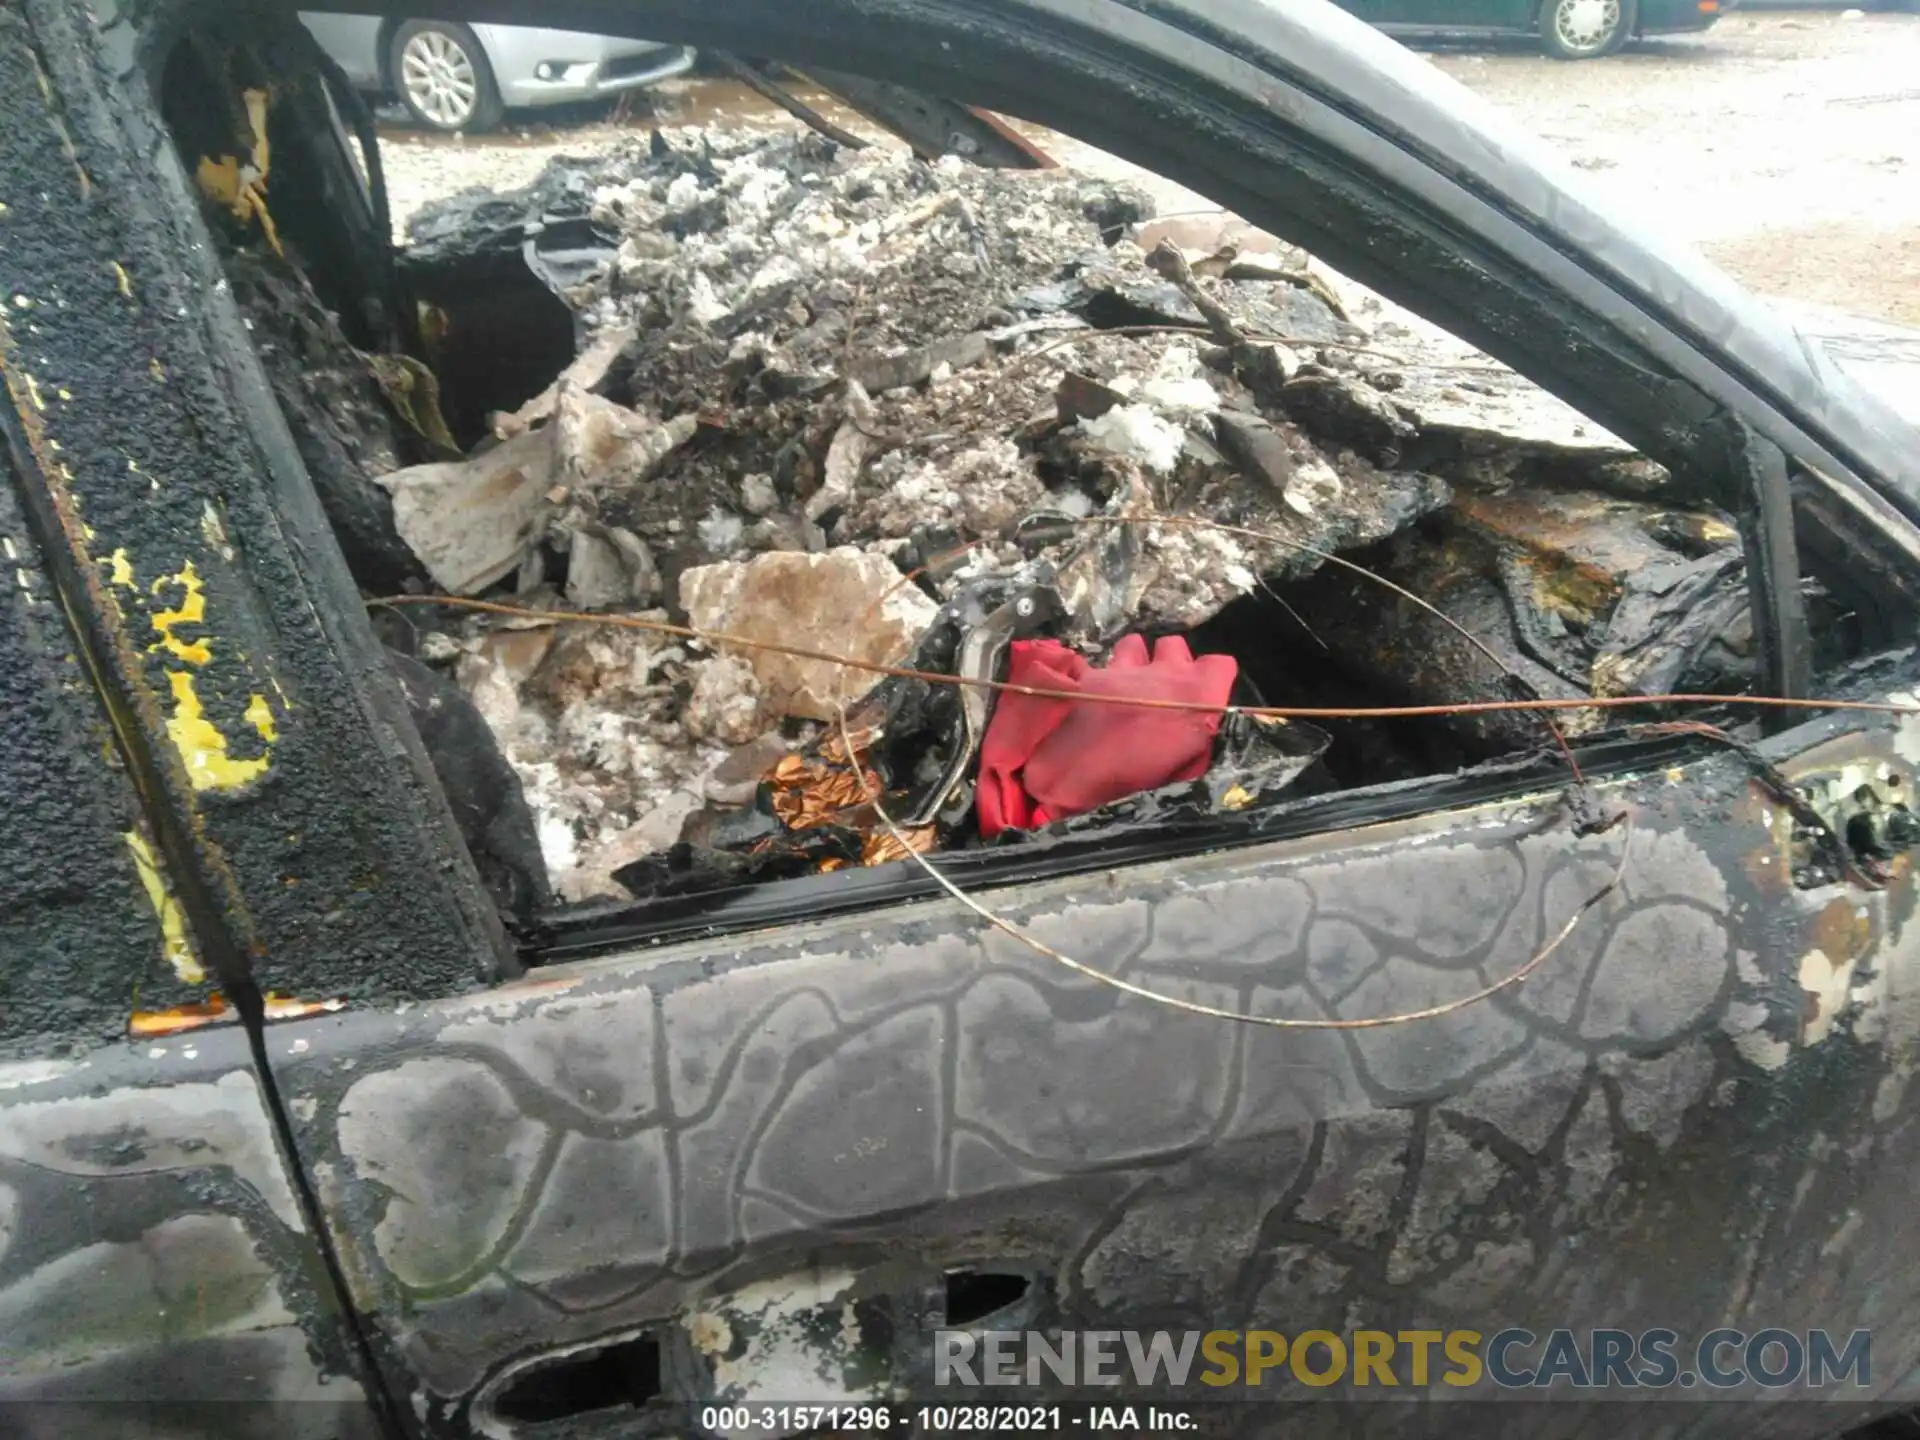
[
  {"x": 1585, "y": 27},
  {"x": 438, "y": 76}
]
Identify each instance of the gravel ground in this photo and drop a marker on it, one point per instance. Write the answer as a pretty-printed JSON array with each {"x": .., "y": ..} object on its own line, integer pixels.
[{"x": 1786, "y": 145}]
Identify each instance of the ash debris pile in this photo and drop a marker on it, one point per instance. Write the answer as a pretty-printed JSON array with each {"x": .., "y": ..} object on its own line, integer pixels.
[{"x": 996, "y": 426}]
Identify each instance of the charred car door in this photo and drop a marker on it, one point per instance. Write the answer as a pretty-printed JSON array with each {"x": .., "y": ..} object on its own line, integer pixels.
[
  {"x": 717, "y": 1165},
  {"x": 757, "y": 1146}
]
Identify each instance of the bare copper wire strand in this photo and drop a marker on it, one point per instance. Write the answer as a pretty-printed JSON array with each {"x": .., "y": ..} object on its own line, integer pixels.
[
  {"x": 1215, "y": 1012},
  {"x": 721, "y": 639}
]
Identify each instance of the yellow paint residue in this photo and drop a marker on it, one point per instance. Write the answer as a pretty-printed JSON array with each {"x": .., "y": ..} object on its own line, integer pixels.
[
  {"x": 260, "y": 716},
  {"x": 122, "y": 569},
  {"x": 192, "y": 610},
  {"x": 256, "y": 103},
  {"x": 204, "y": 748},
  {"x": 173, "y": 921},
  {"x": 124, "y": 280},
  {"x": 241, "y": 186},
  {"x": 33, "y": 390}
]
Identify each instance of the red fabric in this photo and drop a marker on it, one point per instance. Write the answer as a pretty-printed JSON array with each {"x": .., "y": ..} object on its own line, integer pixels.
[
  {"x": 1019, "y": 724},
  {"x": 1043, "y": 760}
]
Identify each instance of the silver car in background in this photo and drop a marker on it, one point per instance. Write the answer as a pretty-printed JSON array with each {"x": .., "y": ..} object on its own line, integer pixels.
[{"x": 454, "y": 77}]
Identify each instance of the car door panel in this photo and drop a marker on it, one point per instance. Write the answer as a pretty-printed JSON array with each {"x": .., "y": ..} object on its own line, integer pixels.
[
  {"x": 154, "y": 1256},
  {"x": 910, "y": 1088}
]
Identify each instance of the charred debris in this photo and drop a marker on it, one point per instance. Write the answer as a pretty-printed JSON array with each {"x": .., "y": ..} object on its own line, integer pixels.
[{"x": 993, "y": 424}]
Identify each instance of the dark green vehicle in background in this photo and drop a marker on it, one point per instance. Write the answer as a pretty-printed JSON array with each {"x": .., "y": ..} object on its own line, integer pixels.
[{"x": 1568, "y": 29}]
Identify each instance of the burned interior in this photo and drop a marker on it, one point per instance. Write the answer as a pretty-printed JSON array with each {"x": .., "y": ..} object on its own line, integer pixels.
[{"x": 945, "y": 420}]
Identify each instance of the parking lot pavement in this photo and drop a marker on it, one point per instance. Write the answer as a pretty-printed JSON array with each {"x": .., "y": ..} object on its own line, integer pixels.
[{"x": 1785, "y": 144}]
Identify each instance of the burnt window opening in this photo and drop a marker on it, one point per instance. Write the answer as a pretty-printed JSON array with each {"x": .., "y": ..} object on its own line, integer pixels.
[
  {"x": 233, "y": 100},
  {"x": 653, "y": 383},
  {"x": 974, "y": 1296},
  {"x": 609, "y": 1377}
]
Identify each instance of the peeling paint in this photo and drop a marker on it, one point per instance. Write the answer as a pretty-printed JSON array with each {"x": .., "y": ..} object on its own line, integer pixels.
[
  {"x": 174, "y": 941},
  {"x": 1891, "y": 1090},
  {"x": 1827, "y": 983},
  {"x": 1758, "y": 1048},
  {"x": 124, "y": 280},
  {"x": 214, "y": 532},
  {"x": 796, "y": 1337},
  {"x": 1887, "y": 994}
]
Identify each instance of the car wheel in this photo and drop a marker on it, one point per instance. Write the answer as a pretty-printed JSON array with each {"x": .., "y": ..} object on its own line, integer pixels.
[
  {"x": 441, "y": 75},
  {"x": 1585, "y": 29}
]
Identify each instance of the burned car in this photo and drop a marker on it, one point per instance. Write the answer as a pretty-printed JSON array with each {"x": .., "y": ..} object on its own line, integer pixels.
[{"x": 772, "y": 746}]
